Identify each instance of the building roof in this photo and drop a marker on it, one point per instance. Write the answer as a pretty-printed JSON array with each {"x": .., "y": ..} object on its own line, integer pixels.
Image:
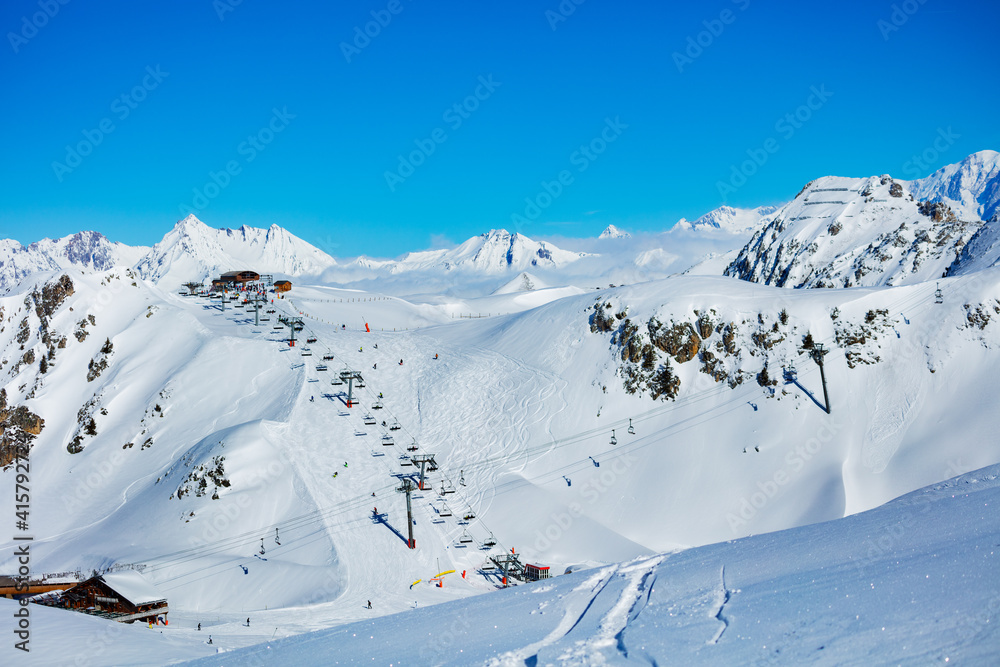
[
  {"x": 282, "y": 282},
  {"x": 133, "y": 587}
]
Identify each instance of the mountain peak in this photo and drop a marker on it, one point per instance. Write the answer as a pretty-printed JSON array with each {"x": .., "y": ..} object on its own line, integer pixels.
[{"x": 612, "y": 232}]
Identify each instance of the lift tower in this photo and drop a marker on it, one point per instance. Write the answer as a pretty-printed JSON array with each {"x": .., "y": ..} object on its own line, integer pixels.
[
  {"x": 350, "y": 377},
  {"x": 424, "y": 461},
  {"x": 817, "y": 354},
  {"x": 408, "y": 487}
]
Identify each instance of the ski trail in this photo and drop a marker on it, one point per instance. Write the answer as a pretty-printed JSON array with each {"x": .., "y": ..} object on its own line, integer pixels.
[
  {"x": 611, "y": 632},
  {"x": 723, "y": 598},
  {"x": 575, "y": 609}
]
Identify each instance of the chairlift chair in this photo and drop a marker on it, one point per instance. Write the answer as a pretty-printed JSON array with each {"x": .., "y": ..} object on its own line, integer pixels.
[
  {"x": 336, "y": 381},
  {"x": 488, "y": 565},
  {"x": 360, "y": 384},
  {"x": 465, "y": 538},
  {"x": 395, "y": 426},
  {"x": 376, "y": 452},
  {"x": 489, "y": 542},
  {"x": 327, "y": 357},
  {"x": 406, "y": 462},
  {"x": 631, "y": 429},
  {"x": 387, "y": 441},
  {"x": 445, "y": 510},
  {"x": 469, "y": 515},
  {"x": 938, "y": 294},
  {"x": 311, "y": 340},
  {"x": 614, "y": 440},
  {"x": 321, "y": 367},
  {"x": 377, "y": 405},
  {"x": 369, "y": 420},
  {"x": 412, "y": 447},
  {"x": 306, "y": 352}
]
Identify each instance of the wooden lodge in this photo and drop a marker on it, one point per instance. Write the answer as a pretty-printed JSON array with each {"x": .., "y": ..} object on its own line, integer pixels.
[
  {"x": 124, "y": 596},
  {"x": 239, "y": 277},
  {"x": 282, "y": 285}
]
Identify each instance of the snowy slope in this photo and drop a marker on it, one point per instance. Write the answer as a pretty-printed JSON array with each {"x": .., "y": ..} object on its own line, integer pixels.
[
  {"x": 911, "y": 582},
  {"x": 845, "y": 232},
  {"x": 194, "y": 251}
]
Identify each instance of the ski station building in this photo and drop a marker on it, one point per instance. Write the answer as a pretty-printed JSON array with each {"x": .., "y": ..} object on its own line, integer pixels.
[{"x": 124, "y": 596}]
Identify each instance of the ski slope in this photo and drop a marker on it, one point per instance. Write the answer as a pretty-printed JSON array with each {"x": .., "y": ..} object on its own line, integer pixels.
[
  {"x": 520, "y": 406},
  {"x": 909, "y": 583}
]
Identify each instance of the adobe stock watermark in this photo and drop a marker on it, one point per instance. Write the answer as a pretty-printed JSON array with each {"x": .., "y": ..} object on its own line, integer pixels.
[
  {"x": 565, "y": 9},
  {"x": 37, "y": 21},
  {"x": 591, "y": 493},
  {"x": 454, "y": 116},
  {"x": 581, "y": 158},
  {"x": 795, "y": 461},
  {"x": 362, "y": 37},
  {"x": 248, "y": 149},
  {"x": 223, "y": 7},
  {"x": 919, "y": 165},
  {"x": 786, "y": 127},
  {"x": 122, "y": 107},
  {"x": 696, "y": 44},
  {"x": 900, "y": 14}
]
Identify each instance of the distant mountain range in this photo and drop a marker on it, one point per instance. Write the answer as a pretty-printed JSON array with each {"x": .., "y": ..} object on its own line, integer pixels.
[{"x": 836, "y": 232}]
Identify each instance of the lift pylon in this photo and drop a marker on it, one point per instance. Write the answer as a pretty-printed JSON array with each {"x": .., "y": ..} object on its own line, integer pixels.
[
  {"x": 818, "y": 353},
  {"x": 426, "y": 463},
  {"x": 408, "y": 487},
  {"x": 350, "y": 377}
]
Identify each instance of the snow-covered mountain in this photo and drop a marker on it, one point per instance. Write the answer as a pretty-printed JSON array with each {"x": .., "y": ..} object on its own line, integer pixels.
[
  {"x": 729, "y": 220},
  {"x": 87, "y": 251},
  {"x": 495, "y": 252},
  {"x": 612, "y": 232},
  {"x": 194, "y": 251},
  {"x": 970, "y": 187},
  {"x": 845, "y": 232}
]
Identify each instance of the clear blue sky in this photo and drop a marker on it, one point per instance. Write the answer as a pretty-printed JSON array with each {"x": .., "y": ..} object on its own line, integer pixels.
[{"x": 323, "y": 174}]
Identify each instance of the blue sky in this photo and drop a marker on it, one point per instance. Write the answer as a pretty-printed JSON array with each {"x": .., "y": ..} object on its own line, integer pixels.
[{"x": 646, "y": 112}]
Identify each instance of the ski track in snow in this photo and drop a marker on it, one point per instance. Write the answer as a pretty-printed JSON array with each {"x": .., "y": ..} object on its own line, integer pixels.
[{"x": 722, "y": 596}]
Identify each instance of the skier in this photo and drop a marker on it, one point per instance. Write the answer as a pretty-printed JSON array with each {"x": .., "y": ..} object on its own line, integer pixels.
[
  {"x": 373, "y": 494},
  {"x": 361, "y": 349},
  {"x": 374, "y": 366},
  {"x": 312, "y": 399},
  {"x": 210, "y": 639},
  {"x": 369, "y": 604},
  {"x": 345, "y": 464},
  {"x": 376, "y": 346},
  {"x": 335, "y": 475},
  {"x": 375, "y": 510},
  {"x": 400, "y": 362},
  {"x": 435, "y": 355},
  {"x": 248, "y": 621},
  {"x": 199, "y": 627},
  {"x": 380, "y": 394}
]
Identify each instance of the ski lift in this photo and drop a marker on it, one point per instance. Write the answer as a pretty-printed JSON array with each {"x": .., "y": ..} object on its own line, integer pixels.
[
  {"x": 360, "y": 384},
  {"x": 791, "y": 373},
  {"x": 465, "y": 538},
  {"x": 490, "y": 542},
  {"x": 369, "y": 420},
  {"x": 265, "y": 318},
  {"x": 262, "y": 546},
  {"x": 276, "y": 537},
  {"x": 376, "y": 452},
  {"x": 387, "y": 441},
  {"x": 412, "y": 447},
  {"x": 395, "y": 426},
  {"x": 298, "y": 326},
  {"x": 327, "y": 357},
  {"x": 445, "y": 510},
  {"x": 336, "y": 381},
  {"x": 377, "y": 405},
  {"x": 938, "y": 294},
  {"x": 469, "y": 515},
  {"x": 461, "y": 477},
  {"x": 311, "y": 340},
  {"x": 238, "y": 304},
  {"x": 614, "y": 440},
  {"x": 306, "y": 352},
  {"x": 321, "y": 367},
  {"x": 405, "y": 461},
  {"x": 277, "y": 326},
  {"x": 488, "y": 565},
  {"x": 631, "y": 429},
  {"x": 447, "y": 486},
  {"x": 270, "y": 311}
]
